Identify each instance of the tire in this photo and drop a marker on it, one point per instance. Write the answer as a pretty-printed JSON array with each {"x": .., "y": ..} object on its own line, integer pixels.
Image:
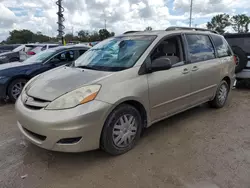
[
  {"x": 242, "y": 58},
  {"x": 16, "y": 85},
  {"x": 13, "y": 59},
  {"x": 113, "y": 132},
  {"x": 221, "y": 95}
]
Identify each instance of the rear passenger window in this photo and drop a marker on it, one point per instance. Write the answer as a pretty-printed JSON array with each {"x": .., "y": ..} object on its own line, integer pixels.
[
  {"x": 221, "y": 46},
  {"x": 200, "y": 48}
]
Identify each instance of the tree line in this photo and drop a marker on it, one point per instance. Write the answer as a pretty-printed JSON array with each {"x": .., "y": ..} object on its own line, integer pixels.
[
  {"x": 26, "y": 36},
  {"x": 238, "y": 22},
  {"x": 218, "y": 23}
]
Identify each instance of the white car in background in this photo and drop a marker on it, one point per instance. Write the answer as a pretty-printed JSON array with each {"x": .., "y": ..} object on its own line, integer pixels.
[{"x": 29, "y": 50}]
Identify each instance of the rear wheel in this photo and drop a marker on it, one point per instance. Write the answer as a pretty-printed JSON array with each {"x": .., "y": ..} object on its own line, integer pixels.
[
  {"x": 122, "y": 130},
  {"x": 221, "y": 95},
  {"x": 15, "y": 88}
]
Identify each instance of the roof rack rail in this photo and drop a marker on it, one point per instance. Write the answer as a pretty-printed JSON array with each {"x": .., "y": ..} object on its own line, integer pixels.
[
  {"x": 190, "y": 28},
  {"x": 127, "y": 32}
]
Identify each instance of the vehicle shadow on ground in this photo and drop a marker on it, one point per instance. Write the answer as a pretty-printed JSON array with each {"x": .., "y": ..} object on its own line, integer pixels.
[
  {"x": 243, "y": 85},
  {"x": 174, "y": 121},
  {"x": 3, "y": 102}
]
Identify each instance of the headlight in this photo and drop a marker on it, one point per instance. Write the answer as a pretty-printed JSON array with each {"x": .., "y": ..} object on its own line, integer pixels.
[
  {"x": 2, "y": 57},
  {"x": 24, "y": 96},
  {"x": 75, "y": 98}
]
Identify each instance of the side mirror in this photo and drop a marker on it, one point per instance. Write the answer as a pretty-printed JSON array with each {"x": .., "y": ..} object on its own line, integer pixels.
[{"x": 161, "y": 63}]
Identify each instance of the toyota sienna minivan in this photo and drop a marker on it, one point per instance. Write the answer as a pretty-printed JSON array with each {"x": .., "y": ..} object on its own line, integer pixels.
[{"x": 123, "y": 85}]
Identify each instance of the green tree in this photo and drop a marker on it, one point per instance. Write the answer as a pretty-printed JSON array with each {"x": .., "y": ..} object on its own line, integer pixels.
[
  {"x": 83, "y": 35},
  {"x": 94, "y": 37},
  {"x": 148, "y": 28},
  {"x": 104, "y": 34},
  {"x": 240, "y": 23},
  {"x": 219, "y": 23},
  {"x": 20, "y": 36},
  {"x": 26, "y": 36},
  {"x": 69, "y": 37}
]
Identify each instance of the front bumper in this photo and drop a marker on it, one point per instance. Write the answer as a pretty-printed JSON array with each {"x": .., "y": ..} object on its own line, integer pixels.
[{"x": 45, "y": 128}]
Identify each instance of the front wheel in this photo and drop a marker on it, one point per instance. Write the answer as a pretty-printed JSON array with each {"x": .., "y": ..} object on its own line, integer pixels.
[
  {"x": 122, "y": 130},
  {"x": 15, "y": 88},
  {"x": 221, "y": 95}
]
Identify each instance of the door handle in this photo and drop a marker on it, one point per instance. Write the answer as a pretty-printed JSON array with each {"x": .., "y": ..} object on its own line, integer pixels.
[
  {"x": 195, "y": 68},
  {"x": 185, "y": 71}
]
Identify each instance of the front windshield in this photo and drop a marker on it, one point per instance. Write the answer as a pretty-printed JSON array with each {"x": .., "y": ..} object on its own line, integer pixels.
[
  {"x": 17, "y": 49},
  {"x": 115, "y": 54},
  {"x": 40, "y": 57}
]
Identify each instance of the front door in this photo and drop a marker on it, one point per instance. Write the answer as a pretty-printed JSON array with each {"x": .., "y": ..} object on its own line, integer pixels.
[{"x": 169, "y": 90}]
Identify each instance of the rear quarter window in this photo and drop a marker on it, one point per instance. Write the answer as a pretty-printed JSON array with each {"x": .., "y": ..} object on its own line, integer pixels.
[{"x": 221, "y": 46}]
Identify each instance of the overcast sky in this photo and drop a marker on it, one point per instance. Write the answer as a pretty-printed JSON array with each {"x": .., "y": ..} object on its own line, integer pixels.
[{"x": 121, "y": 15}]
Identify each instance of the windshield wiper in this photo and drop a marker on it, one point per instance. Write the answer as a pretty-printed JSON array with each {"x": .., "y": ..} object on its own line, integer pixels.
[{"x": 86, "y": 67}]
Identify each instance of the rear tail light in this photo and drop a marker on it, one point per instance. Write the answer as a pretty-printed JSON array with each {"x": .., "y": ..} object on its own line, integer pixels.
[
  {"x": 235, "y": 60},
  {"x": 31, "y": 53}
]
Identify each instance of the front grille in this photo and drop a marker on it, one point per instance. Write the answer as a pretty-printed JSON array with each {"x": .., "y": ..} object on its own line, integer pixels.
[
  {"x": 35, "y": 103},
  {"x": 35, "y": 135},
  {"x": 33, "y": 107}
]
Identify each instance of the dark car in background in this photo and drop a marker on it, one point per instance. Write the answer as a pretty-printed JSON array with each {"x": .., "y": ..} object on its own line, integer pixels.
[
  {"x": 11, "y": 56},
  {"x": 8, "y": 47},
  {"x": 240, "y": 44},
  {"x": 13, "y": 76}
]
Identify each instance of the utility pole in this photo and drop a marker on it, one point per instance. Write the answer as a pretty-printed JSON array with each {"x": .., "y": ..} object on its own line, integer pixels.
[
  {"x": 105, "y": 25},
  {"x": 60, "y": 20},
  {"x": 191, "y": 11}
]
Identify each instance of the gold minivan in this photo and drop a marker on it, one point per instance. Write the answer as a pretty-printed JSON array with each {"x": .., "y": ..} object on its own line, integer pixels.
[{"x": 123, "y": 85}]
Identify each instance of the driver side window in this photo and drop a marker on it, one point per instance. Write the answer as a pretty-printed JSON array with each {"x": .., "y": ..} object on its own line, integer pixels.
[
  {"x": 171, "y": 48},
  {"x": 66, "y": 56}
]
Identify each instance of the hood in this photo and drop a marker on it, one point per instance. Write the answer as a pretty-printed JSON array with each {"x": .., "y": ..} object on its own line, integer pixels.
[
  {"x": 52, "y": 84},
  {"x": 6, "y": 53},
  {"x": 10, "y": 65}
]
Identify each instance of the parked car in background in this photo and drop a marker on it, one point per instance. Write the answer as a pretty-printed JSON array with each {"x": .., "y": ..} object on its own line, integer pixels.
[
  {"x": 240, "y": 44},
  {"x": 123, "y": 85},
  {"x": 13, "y": 76},
  {"x": 93, "y": 43},
  {"x": 32, "y": 49},
  {"x": 23, "y": 52},
  {"x": 11, "y": 56},
  {"x": 8, "y": 47}
]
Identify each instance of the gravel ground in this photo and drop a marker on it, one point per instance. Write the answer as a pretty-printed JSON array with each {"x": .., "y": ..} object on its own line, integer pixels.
[{"x": 200, "y": 148}]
